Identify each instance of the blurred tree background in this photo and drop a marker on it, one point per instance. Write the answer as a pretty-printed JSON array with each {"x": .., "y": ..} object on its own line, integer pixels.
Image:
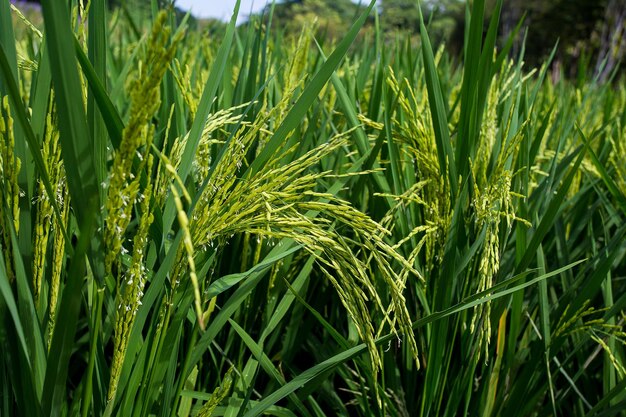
[
  {"x": 333, "y": 16},
  {"x": 591, "y": 34}
]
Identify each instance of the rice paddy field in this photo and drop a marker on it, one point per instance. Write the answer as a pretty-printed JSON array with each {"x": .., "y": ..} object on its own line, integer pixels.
[{"x": 248, "y": 223}]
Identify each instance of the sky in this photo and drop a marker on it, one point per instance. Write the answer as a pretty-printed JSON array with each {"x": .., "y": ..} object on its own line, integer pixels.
[{"x": 221, "y": 9}]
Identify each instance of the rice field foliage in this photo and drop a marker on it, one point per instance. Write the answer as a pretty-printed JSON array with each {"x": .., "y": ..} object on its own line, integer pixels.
[{"x": 263, "y": 224}]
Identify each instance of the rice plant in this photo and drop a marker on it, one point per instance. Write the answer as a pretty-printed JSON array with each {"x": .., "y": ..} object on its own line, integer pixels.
[{"x": 268, "y": 225}]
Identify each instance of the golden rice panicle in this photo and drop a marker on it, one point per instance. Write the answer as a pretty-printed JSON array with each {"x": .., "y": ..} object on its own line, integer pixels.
[
  {"x": 189, "y": 74},
  {"x": 488, "y": 204},
  {"x": 432, "y": 190},
  {"x": 50, "y": 230},
  {"x": 9, "y": 189},
  {"x": 487, "y": 135},
  {"x": 160, "y": 189},
  {"x": 492, "y": 204},
  {"x": 209, "y": 139},
  {"x": 58, "y": 251},
  {"x": 293, "y": 80},
  {"x": 298, "y": 64},
  {"x": 144, "y": 91},
  {"x": 587, "y": 319},
  {"x": 614, "y": 358},
  {"x": 218, "y": 395},
  {"x": 26, "y": 22},
  {"x": 51, "y": 152},
  {"x": 274, "y": 204},
  {"x": 182, "y": 76},
  {"x": 130, "y": 295},
  {"x": 25, "y": 37},
  {"x": 591, "y": 321},
  {"x": 493, "y": 196},
  {"x": 190, "y": 71},
  {"x": 131, "y": 159}
]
